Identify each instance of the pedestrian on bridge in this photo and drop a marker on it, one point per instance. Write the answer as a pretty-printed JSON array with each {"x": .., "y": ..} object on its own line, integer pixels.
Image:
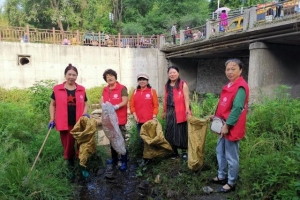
[
  {"x": 173, "y": 33},
  {"x": 223, "y": 21}
]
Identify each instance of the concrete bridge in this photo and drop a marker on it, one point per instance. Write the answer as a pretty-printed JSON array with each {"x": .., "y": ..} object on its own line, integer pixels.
[{"x": 270, "y": 50}]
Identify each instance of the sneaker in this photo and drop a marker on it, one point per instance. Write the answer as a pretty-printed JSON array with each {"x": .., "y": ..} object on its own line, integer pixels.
[{"x": 184, "y": 156}]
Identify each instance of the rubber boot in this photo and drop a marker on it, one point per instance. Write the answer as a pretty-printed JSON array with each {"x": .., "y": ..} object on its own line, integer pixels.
[
  {"x": 123, "y": 167},
  {"x": 114, "y": 157},
  {"x": 84, "y": 172}
]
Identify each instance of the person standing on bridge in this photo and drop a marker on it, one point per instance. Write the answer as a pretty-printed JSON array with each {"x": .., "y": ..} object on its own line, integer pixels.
[
  {"x": 223, "y": 21},
  {"x": 176, "y": 109},
  {"x": 173, "y": 33},
  {"x": 232, "y": 109},
  {"x": 117, "y": 95}
]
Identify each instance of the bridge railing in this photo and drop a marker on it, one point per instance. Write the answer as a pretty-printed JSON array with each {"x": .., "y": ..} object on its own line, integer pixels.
[
  {"x": 264, "y": 14},
  {"x": 53, "y": 36}
]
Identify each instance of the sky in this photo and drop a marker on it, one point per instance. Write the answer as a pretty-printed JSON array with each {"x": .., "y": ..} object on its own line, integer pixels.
[{"x": 1, "y": 2}]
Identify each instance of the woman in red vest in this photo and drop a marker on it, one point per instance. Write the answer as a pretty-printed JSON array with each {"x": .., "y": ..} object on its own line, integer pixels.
[
  {"x": 117, "y": 95},
  {"x": 68, "y": 104},
  {"x": 143, "y": 104},
  {"x": 232, "y": 108},
  {"x": 176, "y": 109}
]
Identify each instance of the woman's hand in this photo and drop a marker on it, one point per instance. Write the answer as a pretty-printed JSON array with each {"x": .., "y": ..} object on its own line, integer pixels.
[
  {"x": 188, "y": 112},
  {"x": 224, "y": 130}
]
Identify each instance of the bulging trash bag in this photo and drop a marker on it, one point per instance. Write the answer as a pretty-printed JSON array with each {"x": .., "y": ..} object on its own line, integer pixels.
[{"x": 111, "y": 128}]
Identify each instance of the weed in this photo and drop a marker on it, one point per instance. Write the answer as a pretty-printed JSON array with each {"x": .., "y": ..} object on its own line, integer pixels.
[{"x": 40, "y": 95}]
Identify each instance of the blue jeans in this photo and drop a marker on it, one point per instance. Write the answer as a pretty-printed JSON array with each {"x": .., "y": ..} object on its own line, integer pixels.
[{"x": 228, "y": 158}]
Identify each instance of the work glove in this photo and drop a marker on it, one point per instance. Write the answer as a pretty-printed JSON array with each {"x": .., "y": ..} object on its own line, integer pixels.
[
  {"x": 116, "y": 107},
  {"x": 87, "y": 115},
  {"x": 51, "y": 125}
]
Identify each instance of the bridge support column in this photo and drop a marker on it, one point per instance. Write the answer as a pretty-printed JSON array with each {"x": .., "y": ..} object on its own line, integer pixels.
[{"x": 272, "y": 65}]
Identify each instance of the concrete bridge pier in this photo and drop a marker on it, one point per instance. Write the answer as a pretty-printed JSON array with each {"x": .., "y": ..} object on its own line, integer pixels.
[{"x": 272, "y": 65}]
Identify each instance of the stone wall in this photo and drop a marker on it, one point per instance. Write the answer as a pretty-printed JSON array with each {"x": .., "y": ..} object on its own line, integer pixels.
[{"x": 211, "y": 74}]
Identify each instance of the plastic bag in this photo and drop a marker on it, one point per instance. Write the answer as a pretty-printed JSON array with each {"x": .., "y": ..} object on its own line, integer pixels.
[
  {"x": 217, "y": 124},
  {"x": 111, "y": 128}
]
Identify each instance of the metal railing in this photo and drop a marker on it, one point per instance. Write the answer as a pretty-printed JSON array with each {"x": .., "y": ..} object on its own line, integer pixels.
[
  {"x": 265, "y": 14},
  {"x": 53, "y": 36}
]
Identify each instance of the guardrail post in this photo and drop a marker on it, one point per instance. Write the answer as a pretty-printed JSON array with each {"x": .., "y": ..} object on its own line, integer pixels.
[
  {"x": 137, "y": 40},
  {"x": 253, "y": 17},
  {"x": 53, "y": 33},
  {"x": 77, "y": 37},
  {"x": 119, "y": 40},
  {"x": 162, "y": 40},
  {"x": 99, "y": 36},
  {"x": 27, "y": 31},
  {"x": 157, "y": 41},
  {"x": 208, "y": 29}
]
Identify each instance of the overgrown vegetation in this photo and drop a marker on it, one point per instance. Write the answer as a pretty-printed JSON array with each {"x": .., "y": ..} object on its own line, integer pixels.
[{"x": 269, "y": 154}]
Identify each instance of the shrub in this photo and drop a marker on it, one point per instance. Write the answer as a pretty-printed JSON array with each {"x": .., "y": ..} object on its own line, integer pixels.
[
  {"x": 40, "y": 95},
  {"x": 94, "y": 94},
  {"x": 14, "y": 95}
]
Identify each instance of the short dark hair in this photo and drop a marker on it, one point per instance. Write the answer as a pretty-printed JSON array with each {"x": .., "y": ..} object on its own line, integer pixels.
[
  {"x": 110, "y": 72},
  {"x": 236, "y": 61},
  {"x": 71, "y": 67}
]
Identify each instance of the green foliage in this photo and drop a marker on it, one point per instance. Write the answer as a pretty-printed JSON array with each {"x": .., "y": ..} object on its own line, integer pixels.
[
  {"x": 17, "y": 122},
  {"x": 41, "y": 92},
  {"x": 132, "y": 28},
  {"x": 134, "y": 17},
  {"x": 14, "y": 95},
  {"x": 94, "y": 94},
  {"x": 203, "y": 105},
  {"x": 269, "y": 157}
]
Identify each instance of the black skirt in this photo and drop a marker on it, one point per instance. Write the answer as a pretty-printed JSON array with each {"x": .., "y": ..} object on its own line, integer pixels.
[{"x": 176, "y": 133}]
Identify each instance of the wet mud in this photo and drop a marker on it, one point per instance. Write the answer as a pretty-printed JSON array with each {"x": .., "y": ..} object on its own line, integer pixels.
[{"x": 109, "y": 183}]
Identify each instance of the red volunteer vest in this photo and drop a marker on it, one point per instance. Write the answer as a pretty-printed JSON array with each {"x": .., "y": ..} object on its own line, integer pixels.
[
  {"x": 61, "y": 110},
  {"x": 114, "y": 96},
  {"x": 143, "y": 103},
  {"x": 179, "y": 102},
  {"x": 236, "y": 132}
]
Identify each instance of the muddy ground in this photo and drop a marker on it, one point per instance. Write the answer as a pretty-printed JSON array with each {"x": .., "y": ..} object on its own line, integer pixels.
[{"x": 109, "y": 183}]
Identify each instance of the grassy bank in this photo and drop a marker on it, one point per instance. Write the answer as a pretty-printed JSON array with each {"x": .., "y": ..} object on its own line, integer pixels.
[{"x": 269, "y": 154}]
